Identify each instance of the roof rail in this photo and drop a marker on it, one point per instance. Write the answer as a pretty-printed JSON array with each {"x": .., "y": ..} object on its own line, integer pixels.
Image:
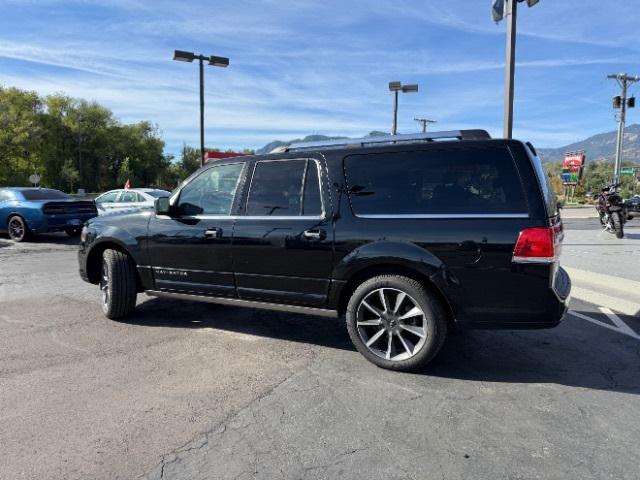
[{"x": 389, "y": 139}]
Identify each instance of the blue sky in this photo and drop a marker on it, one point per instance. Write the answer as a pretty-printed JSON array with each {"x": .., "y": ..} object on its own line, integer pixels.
[{"x": 301, "y": 67}]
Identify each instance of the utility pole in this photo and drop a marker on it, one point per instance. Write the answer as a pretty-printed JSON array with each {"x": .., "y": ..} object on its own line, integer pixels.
[
  {"x": 424, "y": 122},
  {"x": 396, "y": 87},
  {"x": 510, "y": 69},
  {"x": 201, "y": 59},
  {"x": 509, "y": 9},
  {"x": 621, "y": 102},
  {"x": 182, "y": 56}
]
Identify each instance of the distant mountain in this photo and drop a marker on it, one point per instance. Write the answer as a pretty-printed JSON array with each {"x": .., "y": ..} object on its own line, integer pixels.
[
  {"x": 309, "y": 138},
  {"x": 599, "y": 147}
]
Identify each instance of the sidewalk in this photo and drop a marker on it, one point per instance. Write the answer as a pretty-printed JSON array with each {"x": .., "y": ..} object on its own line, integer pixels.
[
  {"x": 583, "y": 211},
  {"x": 615, "y": 293}
]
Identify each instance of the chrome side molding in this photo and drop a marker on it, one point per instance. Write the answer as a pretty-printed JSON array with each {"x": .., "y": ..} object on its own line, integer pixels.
[{"x": 238, "y": 302}]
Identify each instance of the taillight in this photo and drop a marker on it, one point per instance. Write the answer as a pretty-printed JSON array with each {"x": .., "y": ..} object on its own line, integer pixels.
[{"x": 538, "y": 245}]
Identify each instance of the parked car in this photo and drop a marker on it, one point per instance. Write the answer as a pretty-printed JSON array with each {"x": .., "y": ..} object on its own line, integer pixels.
[
  {"x": 633, "y": 206},
  {"x": 28, "y": 211},
  {"x": 135, "y": 198},
  {"x": 404, "y": 236}
]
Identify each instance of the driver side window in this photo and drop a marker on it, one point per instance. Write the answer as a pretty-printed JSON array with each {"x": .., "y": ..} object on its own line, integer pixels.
[{"x": 212, "y": 192}]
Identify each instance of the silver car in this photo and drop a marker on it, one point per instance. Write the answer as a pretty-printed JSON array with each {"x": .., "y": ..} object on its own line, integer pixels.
[{"x": 132, "y": 199}]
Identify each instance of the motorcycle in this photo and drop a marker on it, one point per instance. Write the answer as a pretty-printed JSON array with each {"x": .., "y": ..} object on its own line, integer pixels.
[{"x": 612, "y": 210}]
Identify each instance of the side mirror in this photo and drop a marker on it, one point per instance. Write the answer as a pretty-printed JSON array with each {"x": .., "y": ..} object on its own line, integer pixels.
[
  {"x": 560, "y": 205},
  {"x": 162, "y": 206}
]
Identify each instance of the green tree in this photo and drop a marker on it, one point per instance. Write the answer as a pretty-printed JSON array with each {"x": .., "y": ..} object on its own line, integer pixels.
[
  {"x": 70, "y": 174},
  {"x": 189, "y": 159},
  {"x": 21, "y": 131},
  {"x": 126, "y": 173}
]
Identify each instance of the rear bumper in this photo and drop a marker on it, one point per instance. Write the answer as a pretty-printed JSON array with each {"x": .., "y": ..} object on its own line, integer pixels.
[
  {"x": 58, "y": 223},
  {"x": 556, "y": 297}
]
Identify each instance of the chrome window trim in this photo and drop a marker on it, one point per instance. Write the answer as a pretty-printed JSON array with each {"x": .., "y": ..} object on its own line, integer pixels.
[
  {"x": 250, "y": 217},
  {"x": 446, "y": 215},
  {"x": 322, "y": 215},
  {"x": 281, "y": 217}
]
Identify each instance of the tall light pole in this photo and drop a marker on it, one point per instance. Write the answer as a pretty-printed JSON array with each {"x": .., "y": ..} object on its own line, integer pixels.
[
  {"x": 182, "y": 56},
  {"x": 622, "y": 103},
  {"x": 396, "y": 87},
  {"x": 509, "y": 8},
  {"x": 424, "y": 122}
]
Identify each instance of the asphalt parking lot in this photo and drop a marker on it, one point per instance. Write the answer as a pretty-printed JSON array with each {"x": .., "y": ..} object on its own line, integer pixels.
[{"x": 193, "y": 391}]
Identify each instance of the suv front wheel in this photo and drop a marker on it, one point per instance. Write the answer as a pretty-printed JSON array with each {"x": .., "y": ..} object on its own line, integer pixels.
[
  {"x": 117, "y": 284},
  {"x": 395, "y": 322}
]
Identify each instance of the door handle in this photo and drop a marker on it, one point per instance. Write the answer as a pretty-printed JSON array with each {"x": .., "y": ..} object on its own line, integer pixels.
[
  {"x": 213, "y": 233},
  {"x": 315, "y": 234}
]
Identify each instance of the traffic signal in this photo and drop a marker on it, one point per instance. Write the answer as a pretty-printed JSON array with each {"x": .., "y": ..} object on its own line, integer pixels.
[
  {"x": 631, "y": 102},
  {"x": 617, "y": 101}
]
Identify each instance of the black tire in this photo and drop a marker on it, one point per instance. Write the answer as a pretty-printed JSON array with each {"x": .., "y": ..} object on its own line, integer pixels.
[
  {"x": 433, "y": 321},
  {"x": 117, "y": 284},
  {"x": 616, "y": 220},
  {"x": 73, "y": 232},
  {"x": 18, "y": 229}
]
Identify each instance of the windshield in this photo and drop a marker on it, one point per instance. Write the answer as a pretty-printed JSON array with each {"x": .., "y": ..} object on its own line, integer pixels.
[
  {"x": 44, "y": 194},
  {"x": 158, "y": 193}
]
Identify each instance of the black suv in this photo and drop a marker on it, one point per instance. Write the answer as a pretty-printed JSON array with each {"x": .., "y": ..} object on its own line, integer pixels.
[{"x": 406, "y": 236}]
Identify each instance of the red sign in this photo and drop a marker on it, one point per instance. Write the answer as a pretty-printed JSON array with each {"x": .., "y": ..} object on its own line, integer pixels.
[
  {"x": 217, "y": 155},
  {"x": 575, "y": 159}
]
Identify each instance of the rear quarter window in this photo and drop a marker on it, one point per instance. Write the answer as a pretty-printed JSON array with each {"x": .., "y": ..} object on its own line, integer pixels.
[
  {"x": 44, "y": 194},
  {"x": 435, "y": 182},
  {"x": 550, "y": 200}
]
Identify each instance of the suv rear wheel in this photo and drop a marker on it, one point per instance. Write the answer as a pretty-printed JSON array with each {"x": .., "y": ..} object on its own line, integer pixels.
[
  {"x": 117, "y": 284},
  {"x": 395, "y": 322}
]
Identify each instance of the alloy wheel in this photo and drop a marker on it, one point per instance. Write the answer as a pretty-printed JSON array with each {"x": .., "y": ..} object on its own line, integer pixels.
[
  {"x": 104, "y": 283},
  {"x": 391, "y": 324},
  {"x": 16, "y": 229}
]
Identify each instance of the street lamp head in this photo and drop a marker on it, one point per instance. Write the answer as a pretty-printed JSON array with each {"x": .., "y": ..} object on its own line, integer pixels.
[
  {"x": 182, "y": 56},
  {"x": 410, "y": 88},
  {"x": 395, "y": 86},
  {"x": 218, "y": 61}
]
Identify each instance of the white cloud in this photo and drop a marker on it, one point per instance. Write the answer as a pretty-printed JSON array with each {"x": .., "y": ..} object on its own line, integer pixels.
[{"x": 308, "y": 66}]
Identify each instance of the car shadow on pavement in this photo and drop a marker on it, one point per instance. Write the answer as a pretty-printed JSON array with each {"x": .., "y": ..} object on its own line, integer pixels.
[
  {"x": 42, "y": 239},
  {"x": 573, "y": 354},
  {"x": 159, "y": 312}
]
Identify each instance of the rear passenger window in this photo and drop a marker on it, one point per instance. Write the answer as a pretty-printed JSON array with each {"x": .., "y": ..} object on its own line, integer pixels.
[
  {"x": 312, "y": 204},
  {"x": 284, "y": 188},
  {"x": 128, "y": 197},
  {"x": 469, "y": 181}
]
